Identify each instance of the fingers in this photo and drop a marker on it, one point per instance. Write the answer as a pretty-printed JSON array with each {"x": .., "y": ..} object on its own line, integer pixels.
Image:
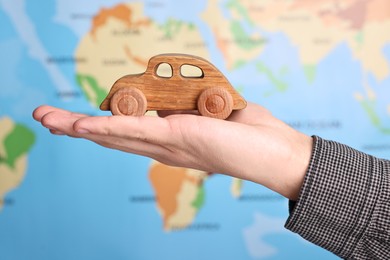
[
  {"x": 56, "y": 132},
  {"x": 127, "y": 134},
  {"x": 58, "y": 121},
  {"x": 147, "y": 129},
  {"x": 40, "y": 111}
]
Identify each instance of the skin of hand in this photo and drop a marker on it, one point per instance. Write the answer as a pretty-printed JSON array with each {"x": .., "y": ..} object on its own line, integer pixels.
[{"x": 251, "y": 144}]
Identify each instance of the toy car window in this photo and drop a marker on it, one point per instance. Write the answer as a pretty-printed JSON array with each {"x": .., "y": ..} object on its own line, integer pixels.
[
  {"x": 164, "y": 70},
  {"x": 191, "y": 71}
]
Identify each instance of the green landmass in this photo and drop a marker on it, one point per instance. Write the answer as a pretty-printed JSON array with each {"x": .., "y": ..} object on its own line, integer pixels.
[
  {"x": 310, "y": 73},
  {"x": 172, "y": 27},
  {"x": 240, "y": 89},
  {"x": 234, "y": 4},
  {"x": 359, "y": 38},
  {"x": 200, "y": 198},
  {"x": 91, "y": 82},
  {"x": 369, "y": 107},
  {"x": 242, "y": 39},
  {"x": 239, "y": 184},
  {"x": 279, "y": 84},
  {"x": 17, "y": 143},
  {"x": 239, "y": 63}
]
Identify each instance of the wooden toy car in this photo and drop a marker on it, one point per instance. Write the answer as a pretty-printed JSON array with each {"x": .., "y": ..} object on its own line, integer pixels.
[{"x": 174, "y": 82}]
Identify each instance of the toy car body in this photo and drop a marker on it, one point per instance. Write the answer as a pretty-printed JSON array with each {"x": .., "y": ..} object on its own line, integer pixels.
[{"x": 209, "y": 91}]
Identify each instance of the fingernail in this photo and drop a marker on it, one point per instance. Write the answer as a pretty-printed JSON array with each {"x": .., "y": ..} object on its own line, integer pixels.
[
  {"x": 49, "y": 127},
  {"x": 82, "y": 131},
  {"x": 55, "y": 132}
]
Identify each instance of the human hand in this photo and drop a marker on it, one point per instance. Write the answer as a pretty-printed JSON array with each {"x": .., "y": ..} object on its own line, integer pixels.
[{"x": 251, "y": 144}]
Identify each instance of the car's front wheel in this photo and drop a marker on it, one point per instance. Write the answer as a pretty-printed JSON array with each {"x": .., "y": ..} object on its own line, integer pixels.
[
  {"x": 215, "y": 102},
  {"x": 128, "y": 101}
]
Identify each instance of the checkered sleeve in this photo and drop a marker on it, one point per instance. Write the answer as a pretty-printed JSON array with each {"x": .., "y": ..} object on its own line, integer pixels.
[{"x": 344, "y": 204}]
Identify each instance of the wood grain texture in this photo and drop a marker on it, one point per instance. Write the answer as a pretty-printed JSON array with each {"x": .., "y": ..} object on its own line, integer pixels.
[
  {"x": 178, "y": 91},
  {"x": 215, "y": 102},
  {"x": 128, "y": 101}
]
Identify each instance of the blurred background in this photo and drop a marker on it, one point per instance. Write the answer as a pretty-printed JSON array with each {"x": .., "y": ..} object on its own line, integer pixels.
[{"x": 321, "y": 66}]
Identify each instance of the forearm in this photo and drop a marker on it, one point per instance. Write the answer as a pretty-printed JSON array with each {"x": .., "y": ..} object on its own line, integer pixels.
[{"x": 344, "y": 202}]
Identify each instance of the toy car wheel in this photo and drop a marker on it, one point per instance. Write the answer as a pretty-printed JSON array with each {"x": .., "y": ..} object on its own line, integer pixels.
[
  {"x": 129, "y": 102},
  {"x": 215, "y": 102}
]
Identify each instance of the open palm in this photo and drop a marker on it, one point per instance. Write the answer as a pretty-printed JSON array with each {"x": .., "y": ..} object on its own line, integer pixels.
[{"x": 251, "y": 144}]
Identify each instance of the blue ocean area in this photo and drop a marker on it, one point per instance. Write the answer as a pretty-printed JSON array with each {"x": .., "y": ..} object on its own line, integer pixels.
[{"x": 75, "y": 199}]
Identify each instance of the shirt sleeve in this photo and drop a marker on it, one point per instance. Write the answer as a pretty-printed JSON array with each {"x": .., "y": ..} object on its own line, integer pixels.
[{"x": 344, "y": 203}]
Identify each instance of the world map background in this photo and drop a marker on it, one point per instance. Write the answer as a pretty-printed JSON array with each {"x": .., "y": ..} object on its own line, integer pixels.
[{"x": 322, "y": 67}]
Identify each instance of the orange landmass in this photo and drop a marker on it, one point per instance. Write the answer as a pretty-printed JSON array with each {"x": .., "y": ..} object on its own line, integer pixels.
[
  {"x": 378, "y": 10},
  {"x": 222, "y": 46},
  {"x": 135, "y": 59},
  {"x": 349, "y": 14},
  {"x": 353, "y": 12},
  {"x": 120, "y": 12},
  {"x": 167, "y": 182}
]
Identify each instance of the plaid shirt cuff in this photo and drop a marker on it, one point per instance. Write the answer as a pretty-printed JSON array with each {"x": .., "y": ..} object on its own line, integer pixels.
[{"x": 344, "y": 197}]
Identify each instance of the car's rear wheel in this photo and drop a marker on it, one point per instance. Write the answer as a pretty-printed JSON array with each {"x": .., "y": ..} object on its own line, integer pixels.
[
  {"x": 215, "y": 102},
  {"x": 128, "y": 101}
]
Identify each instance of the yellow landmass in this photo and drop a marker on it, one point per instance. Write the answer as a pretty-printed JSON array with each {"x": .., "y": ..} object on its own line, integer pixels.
[
  {"x": 10, "y": 178},
  {"x": 185, "y": 212},
  {"x": 236, "y": 187},
  {"x": 369, "y": 93},
  {"x": 303, "y": 27},
  {"x": 227, "y": 42},
  {"x": 176, "y": 189},
  {"x": 90, "y": 92},
  {"x": 196, "y": 176},
  {"x": 118, "y": 48},
  {"x": 317, "y": 27},
  {"x": 370, "y": 52},
  {"x": 6, "y": 126},
  {"x": 358, "y": 96}
]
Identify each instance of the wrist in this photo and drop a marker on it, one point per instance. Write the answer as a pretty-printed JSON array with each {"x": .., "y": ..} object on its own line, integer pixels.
[{"x": 301, "y": 156}]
